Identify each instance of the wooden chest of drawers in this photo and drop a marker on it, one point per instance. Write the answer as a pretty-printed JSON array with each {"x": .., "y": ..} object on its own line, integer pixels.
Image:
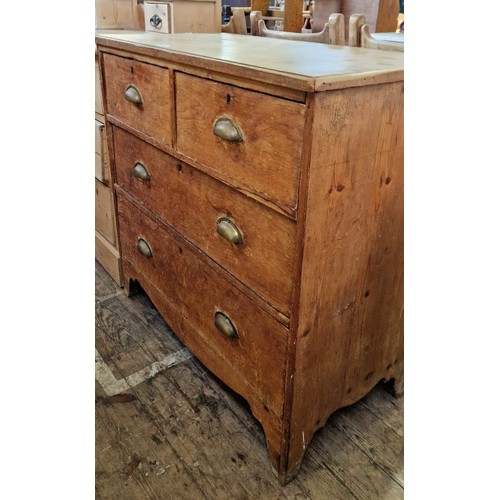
[{"x": 259, "y": 188}]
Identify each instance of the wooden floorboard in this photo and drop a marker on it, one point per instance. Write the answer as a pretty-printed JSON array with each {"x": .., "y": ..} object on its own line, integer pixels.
[{"x": 167, "y": 428}]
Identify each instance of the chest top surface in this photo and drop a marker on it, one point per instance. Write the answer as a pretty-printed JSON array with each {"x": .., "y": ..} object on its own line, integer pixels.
[{"x": 298, "y": 65}]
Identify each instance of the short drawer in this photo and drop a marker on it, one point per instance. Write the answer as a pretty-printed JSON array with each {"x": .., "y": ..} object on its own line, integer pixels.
[
  {"x": 104, "y": 212},
  {"x": 98, "y": 94},
  {"x": 212, "y": 216},
  {"x": 101, "y": 153},
  {"x": 250, "y": 341},
  {"x": 250, "y": 140},
  {"x": 139, "y": 95}
]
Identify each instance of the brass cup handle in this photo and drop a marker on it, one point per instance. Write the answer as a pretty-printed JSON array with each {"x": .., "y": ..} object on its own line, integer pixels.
[
  {"x": 133, "y": 95},
  {"x": 228, "y": 130},
  {"x": 141, "y": 172},
  {"x": 225, "y": 325},
  {"x": 144, "y": 248},
  {"x": 229, "y": 231}
]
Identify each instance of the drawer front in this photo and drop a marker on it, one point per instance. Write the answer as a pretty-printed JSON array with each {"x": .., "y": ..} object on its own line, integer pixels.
[
  {"x": 201, "y": 295},
  {"x": 157, "y": 17},
  {"x": 197, "y": 205},
  {"x": 99, "y": 160},
  {"x": 104, "y": 212},
  {"x": 250, "y": 140},
  {"x": 98, "y": 94},
  {"x": 102, "y": 171},
  {"x": 139, "y": 95}
]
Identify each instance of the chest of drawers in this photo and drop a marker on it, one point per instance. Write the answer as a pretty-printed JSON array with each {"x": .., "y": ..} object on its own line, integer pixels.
[{"x": 259, "y": 189}]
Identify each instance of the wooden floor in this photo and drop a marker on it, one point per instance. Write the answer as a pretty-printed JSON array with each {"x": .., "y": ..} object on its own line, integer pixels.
[{"x": 166, "y": 428}]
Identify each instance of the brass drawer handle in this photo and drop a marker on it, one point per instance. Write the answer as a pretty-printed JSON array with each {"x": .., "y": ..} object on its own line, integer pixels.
[
  {"x": 133, "y": 95},
  {"x": 225, "y": 325},
  {"x": 141, "y": 172},
  {"x": 144, "y": 248},
  {"x": 229, "y": 231},
  {"x": 228, "y": 130}
]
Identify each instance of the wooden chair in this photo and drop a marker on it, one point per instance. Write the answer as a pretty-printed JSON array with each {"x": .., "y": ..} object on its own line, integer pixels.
[
  {"x": 355, "y": 23},
  {"x": 333, "y": 31},
  {"x": 360, "y": 36},
  {"x": 380, "y": 15},
  {"x": 292, "y": 16},
  {"x": 237, "y": 23},
  {"x": 367, "y": 41}
]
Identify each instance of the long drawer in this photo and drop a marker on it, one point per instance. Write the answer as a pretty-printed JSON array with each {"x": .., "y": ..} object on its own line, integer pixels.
[
  {"x": 250, "y": 140},
  {"x": 250, "y": 341},
  {"x": 140, "y": 96},
  {"x": 210, "y": 214}
]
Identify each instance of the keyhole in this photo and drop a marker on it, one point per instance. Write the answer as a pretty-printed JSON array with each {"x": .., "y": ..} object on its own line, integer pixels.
[{"x": 228, "y": 98}]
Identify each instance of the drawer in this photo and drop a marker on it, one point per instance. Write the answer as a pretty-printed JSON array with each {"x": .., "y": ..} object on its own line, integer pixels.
[
  {"x": 101, "y": 153},
  {"x": 98, "y": 94},
  {"x": 200, "y": 295},
  {"x": 127, "y": 81},
  {"x": 250, "y": 140},
  {"x": 193, "y": 203},
  {"x": 157, "y": 17},
  {"x": 104, "y": 212}
]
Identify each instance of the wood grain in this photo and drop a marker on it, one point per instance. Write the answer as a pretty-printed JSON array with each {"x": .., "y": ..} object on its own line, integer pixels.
[
  {"x": 284, "y": 63},
  {"x": 154, "y": 116},
  {"x": 102, "y": 167},
  {"x": 105, "y": 222},
  {"x": 192, "y": 202},
  {"x": 108, "y": 256},
  {"x": 266, "y": 161},
  {"x": 179, "y": 274},
  {"x": 119, "y": 14},
  {"x": 351, "y": 296},
  {"x": 293, "y": 15},
  {"x": 99, "y": 108},
  {"x": 106, "y": 244}
]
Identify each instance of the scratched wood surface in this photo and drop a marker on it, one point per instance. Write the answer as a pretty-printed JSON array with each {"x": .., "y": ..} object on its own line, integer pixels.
[{"x": 167, "y": 428}]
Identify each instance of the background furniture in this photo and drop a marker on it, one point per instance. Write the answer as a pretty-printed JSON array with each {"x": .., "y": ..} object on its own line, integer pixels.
[
  {"x": 237, "y": 23},
  {"x": 272, "y": 241},
  {"x": 380, "y": 15},
  {"x": 183, "y": 16},
  {"x": 119, "y": 14},
  {"x": 292, "y": 14},
  {"x": 333, "y": 31},
  {"x": 361, "y": 36},
  {"x": 381, "y": 41},
  {"x": 106, "y": 237}
]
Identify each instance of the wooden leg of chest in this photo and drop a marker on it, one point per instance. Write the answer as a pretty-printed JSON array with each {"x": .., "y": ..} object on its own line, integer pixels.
[
  {"x": 395, "y": 386},
  {"x": 131, "y": 286}
]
